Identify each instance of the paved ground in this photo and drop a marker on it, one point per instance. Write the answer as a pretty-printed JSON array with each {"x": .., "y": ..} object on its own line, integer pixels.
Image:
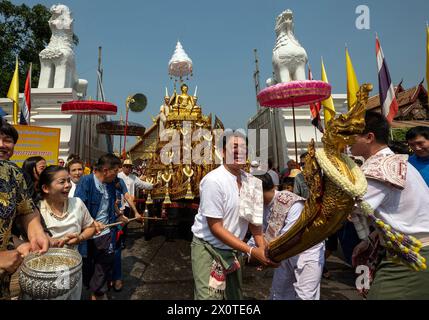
[{"x": 161, "y": 269}]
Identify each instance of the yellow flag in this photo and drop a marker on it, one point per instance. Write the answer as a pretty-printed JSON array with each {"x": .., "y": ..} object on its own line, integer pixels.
[
  {"x": 13, "y": 93},
  {"x": 352, "y": 82},
  {"x": 328, "y": 104},
  {"x": 427, "y": 55}
]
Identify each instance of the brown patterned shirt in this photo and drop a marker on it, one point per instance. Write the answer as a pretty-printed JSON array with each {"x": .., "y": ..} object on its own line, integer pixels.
[{"x": 14, "y": 201}]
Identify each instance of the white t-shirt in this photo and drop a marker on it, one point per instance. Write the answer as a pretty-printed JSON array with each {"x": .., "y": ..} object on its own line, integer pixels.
[
  {"x": 76, "y": 219},
  {"x": 406, "y": 210},
  {"x": 72, "y": 190},
  {"x": 219, "y": 198},
  {"x": 132, "y": 182}
]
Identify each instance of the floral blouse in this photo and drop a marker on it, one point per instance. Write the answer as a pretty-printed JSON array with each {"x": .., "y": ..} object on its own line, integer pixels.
[{"x": 14, "y": 202}]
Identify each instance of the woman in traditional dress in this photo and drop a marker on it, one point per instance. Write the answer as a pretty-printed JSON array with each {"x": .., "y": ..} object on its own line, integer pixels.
[{"x": 66, "y": 218}]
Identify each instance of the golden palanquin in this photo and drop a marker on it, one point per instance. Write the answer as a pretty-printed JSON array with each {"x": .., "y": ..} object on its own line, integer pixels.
[{"x": 172, "y": 163}]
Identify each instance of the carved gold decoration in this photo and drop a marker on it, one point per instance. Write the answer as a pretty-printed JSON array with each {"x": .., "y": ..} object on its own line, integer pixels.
[
  {"x": 184, "y": 131},
  {"x": 149, "y": 198},
  {"x": 187, "y": 170},
  {"x": 167, "y": 177}
]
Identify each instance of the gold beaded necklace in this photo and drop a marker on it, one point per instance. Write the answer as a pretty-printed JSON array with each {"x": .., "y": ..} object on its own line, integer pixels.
[{"x": 62, "y": 217}]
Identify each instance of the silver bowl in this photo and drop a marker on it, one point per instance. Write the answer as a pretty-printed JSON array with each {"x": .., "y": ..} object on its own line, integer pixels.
[{"x": 50, "y": 275}]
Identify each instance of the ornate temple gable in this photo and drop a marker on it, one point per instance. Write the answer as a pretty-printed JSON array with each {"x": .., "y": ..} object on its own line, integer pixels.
[
  {"x": 413, "y": 104},
  {"x": 143, "y": 148}
]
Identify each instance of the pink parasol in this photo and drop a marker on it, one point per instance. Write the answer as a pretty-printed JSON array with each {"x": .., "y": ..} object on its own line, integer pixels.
[
  {"x": 294, "y": 93},
  {"x": 89, "y": 108}
]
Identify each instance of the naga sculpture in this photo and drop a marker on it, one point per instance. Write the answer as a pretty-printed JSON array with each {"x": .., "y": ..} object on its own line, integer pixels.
[
  {"x": 329, "y": 203},
  {"x": 336, "y": 184}
]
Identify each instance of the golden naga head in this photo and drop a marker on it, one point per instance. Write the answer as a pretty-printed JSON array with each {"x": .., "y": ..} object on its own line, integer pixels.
[{"x": 341, "y": 131}]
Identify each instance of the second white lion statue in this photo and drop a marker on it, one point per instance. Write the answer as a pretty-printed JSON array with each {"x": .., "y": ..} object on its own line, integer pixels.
[
  {"x": 58, "y": 67},
  {"x": 289, "y": 57}
]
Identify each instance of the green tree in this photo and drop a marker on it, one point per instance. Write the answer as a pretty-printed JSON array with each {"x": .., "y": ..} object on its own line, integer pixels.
[
  {"x": 399, "y": 134},
  {"x": 24, "y": 32}
]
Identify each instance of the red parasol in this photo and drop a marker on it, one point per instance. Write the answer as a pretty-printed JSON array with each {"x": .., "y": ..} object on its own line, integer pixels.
[
  {"x": 294, "y": 93},
  {"x": 89, "y": 108}
]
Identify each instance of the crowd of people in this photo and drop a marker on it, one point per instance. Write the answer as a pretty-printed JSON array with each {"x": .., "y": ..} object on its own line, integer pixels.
[
  {"x": 66, "y": 205},
  {"x": 61, "y": 206}
]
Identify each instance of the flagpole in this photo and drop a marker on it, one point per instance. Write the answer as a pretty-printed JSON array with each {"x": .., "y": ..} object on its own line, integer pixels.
[
  {"x": 13, "y": 93},
  {"x": 427, "y": 54},
  {"x": 294, "y": 130},
  {"x": 29, "y": 111},
  {"x": 16, "y": 102}
]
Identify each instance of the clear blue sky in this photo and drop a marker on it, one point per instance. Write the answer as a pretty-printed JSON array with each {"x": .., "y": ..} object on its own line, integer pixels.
[{"x": 139, "y": 37}]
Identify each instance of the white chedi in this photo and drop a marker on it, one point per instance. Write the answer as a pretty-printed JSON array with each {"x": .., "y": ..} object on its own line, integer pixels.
[
  {"x": 289, "y": 57},
  {"x": 180, "y": 64},
  {"x": 58, "y": 66}
]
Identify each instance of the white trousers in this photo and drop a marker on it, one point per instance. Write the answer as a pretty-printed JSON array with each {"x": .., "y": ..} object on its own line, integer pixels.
[{"x": 298, "y": 278}]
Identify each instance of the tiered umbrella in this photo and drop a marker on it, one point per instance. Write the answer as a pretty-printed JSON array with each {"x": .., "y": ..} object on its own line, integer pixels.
[
  {"x": 89, "y": 108},
  {"x": 294, "y": 94},
  {"x": 117, "y": 128},
  {"x": 180, "y": 65},
  {"x": 120, "y": 128}
]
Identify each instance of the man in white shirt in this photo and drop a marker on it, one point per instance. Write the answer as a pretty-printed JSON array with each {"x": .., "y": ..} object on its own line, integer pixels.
[
  {"x": 132, "y": 182},
  {"x": 400, "y": 197},
  {"x": 219, "y": 229}
]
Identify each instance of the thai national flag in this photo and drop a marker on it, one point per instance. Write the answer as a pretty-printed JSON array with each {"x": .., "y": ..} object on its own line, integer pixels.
[
  {"x": 386, "y": 90},
  {"x": 315, "y": 108},
  {"x": 26, "y": 106}
]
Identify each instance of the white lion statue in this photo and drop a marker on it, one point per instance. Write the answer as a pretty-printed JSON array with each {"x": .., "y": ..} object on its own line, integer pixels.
[
  {"x": 58, "y": 68},
  {"x": 289, "y": 57}
]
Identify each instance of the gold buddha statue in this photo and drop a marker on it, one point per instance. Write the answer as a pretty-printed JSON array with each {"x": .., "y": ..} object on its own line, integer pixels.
[{"x": 185, "y": 102}]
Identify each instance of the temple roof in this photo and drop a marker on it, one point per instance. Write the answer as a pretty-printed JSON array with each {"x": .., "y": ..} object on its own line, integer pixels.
[
  {"x": 410, "y": 123},
  {"x": 404, "y": 97},
  {"x": 146, "y": 143}
]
